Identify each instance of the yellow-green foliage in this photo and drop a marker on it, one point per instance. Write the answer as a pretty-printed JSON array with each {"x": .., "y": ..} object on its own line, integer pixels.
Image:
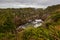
[
  {"x": 40, "y": 33},
  {"x": 7, "y": 36}
]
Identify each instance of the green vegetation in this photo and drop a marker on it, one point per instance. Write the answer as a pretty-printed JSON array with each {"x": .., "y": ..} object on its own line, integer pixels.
[
  {"x": 40, "y": 33},
  {"x": 10, "y": 19}
]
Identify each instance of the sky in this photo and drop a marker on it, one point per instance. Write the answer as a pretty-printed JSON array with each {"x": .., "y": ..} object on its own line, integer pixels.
[{"x": 27, "y": 3}]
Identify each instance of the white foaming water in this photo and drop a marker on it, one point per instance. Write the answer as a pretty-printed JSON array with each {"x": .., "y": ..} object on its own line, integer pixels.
[{"x": 36, "y": 23}]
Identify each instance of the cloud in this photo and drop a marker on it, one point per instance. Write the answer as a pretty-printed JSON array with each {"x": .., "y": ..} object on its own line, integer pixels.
[
  {"x": 28, "y": 3},
  {"x": 17, "y": 5}
]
